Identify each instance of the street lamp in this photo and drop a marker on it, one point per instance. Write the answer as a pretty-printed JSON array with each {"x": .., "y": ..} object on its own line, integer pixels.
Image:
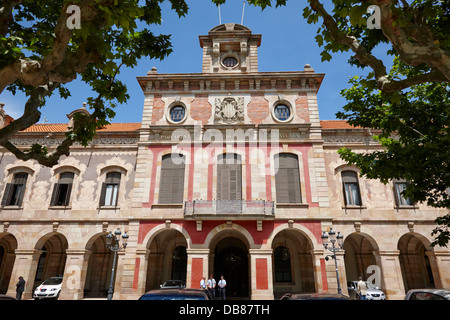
[
  {"x": 115, "y": 247},
  {"x": 334, "y": 240}
]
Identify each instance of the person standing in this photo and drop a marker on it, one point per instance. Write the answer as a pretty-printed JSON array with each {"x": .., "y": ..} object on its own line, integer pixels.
[
  {"x": 222, "y": 284},
  {"x": 212, "y": 287},
  {"x": 203, "y": 283},
  {"x": 20, "y": 288},
  {"x": 362, "y": 289}
]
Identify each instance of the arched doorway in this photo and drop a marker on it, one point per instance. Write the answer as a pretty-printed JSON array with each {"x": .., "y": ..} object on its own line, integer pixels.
[
  {"x": 415, "y": 264},
  {"x": 293, "y": 269},
  {"x": 231, "y": 261},
  {"x": 8, "y": 244},
  {"x": 358, "y": 256},
  {"x": 98, "y": 276},
  {"x": 52, "y": 259},
  {"x": 167, "y": 259}
]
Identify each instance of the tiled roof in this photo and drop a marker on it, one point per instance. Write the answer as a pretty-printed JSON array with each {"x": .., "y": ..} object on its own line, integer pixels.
[
  {"x": 336, "y": 124},
  {"x": 133, "y": 126},
  {"x": 61, "y": 127}
]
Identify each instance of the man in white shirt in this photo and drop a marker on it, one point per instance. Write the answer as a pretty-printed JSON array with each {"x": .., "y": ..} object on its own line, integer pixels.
[
  {"x": 212, "y": 286},
  {"x": 203, "y": 283},
  {"x": 362, "y": 289},
  {"x": 222, "y": 285}
]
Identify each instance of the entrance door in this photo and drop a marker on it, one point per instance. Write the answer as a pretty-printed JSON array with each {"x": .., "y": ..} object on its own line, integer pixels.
[{"x": 231, "y": 261}]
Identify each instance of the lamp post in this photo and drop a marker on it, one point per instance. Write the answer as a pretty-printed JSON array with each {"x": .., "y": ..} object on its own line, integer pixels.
[
  {"x": 115, "y": 247},
  {"x": 334, "y": 240}
]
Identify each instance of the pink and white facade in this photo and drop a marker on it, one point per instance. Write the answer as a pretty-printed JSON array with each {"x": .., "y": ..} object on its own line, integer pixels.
[{"x": 231, "y": 173}]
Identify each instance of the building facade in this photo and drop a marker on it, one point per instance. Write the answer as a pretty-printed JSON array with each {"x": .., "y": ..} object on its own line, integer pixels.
[{"x": 231, "y": 172}]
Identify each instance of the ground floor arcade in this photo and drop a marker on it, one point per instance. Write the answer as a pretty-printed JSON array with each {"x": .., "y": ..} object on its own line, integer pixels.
[{"x": 259, "y": 259}]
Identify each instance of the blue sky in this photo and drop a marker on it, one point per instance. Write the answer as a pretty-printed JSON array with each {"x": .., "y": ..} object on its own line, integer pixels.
[{"x": 287, "y": 45}]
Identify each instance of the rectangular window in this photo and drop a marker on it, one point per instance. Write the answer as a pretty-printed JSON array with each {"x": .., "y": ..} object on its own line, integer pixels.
[
  {"x": 287, "y": 178},
  {"x": 15, "y": 191},
  {"x": 111, "y": 194},
  {"x": 110, "y": 189},
  {"x": 229, "y": 177},
  {"x": 352, "y": 195},
  {"x": 399, "y": 187},
  {"x": 171, "y": 186},
  {"x": 62, "y": 190}
]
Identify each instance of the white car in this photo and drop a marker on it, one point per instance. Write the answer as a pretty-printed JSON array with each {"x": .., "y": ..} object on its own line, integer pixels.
[
  {"x": 50, "y": 288},
  {"x": 373, "y": 293}
]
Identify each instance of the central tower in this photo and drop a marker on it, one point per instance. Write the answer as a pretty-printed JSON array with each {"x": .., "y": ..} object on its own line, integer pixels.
[{"x": 230, "y": 48}]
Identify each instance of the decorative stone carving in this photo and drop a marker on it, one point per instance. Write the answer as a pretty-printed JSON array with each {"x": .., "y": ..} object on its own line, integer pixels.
[{"x": 229, "y": 111}]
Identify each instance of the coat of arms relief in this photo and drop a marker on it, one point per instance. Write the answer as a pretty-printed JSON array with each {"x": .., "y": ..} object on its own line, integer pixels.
[{"x": 229, "y": 110}]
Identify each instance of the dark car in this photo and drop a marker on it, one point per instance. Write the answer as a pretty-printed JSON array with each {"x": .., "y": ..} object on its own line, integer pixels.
[
  {"x": 176, "y": 294},
  {"x": 173, "y": 284},
  {"x": 314, "y": 296},
  {"x": 5, "y": 297},
  {"x": 428, "y": 294}
]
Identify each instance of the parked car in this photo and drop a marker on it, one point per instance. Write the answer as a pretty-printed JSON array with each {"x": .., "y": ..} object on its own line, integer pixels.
[
  {"x": 428, "y": 294},
  {"x": 314, "y": 296},
  {"x": 5, "y": 297},
  {"x": 373, "y": 293},
  {"x": 173, "y": 284},
  {"x": 50, "y": 288},
  {"x": 176, "y": 294}
]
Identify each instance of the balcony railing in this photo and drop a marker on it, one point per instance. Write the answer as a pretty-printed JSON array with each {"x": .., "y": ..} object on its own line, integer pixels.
[{"x": 237, "y": 207}]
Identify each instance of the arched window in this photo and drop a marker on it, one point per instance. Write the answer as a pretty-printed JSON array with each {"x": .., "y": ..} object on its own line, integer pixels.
[
  {"x": 352, "y": 194},
  {"x": 229, "y": 177},
  {"x": 62, "y": 189},
  {"x": 171, "y": 186},
  {"x": 282, "y": 261},
  {"x": 287, "y": 178},
  {"x": 15, "y": 191},
  {"x": 110, "y": 189}
]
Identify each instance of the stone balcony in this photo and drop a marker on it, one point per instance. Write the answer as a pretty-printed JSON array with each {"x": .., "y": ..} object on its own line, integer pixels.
[{"x": 227, "y": 209}]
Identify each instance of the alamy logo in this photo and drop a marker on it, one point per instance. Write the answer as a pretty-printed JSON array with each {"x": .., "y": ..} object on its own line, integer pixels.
[
  {"x": 74, "y": 20},
  {"x": 374, "y": 21}
]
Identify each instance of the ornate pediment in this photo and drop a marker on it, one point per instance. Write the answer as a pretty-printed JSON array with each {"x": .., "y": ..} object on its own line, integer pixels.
[{"x": 229, "y": 110}]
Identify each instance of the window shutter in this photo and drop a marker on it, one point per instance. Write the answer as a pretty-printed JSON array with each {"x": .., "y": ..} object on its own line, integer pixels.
[
  {"x": 103, "y": 195},
  {"x": 55, "y": 195},
  {"x": 21, "y": 196},
  {"x": 287, "y": 179},
  {"x": 171, "y": 186},
  {"x": 67, "y": 196},
  {"x": 6, "y": 200}
]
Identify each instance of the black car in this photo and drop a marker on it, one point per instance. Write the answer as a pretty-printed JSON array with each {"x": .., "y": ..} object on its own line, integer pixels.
[
  {"x": 173, "y": 284},
  {"x": 314, "y": 296},
  {"x": 428, "y": 294},
  {"x": 176, "y": 294}
]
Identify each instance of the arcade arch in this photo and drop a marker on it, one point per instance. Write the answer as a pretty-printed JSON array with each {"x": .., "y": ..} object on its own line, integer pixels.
[
  {"x": 8, "y": 244},
  {"x": 167, "y": 258}
]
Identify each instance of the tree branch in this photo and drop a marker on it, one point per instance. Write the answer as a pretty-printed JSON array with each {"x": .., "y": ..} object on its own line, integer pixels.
[
  {"x": 6, "y": 14},
  {"x": 59, "y": 65},
  {"x": 405, "y": 51},
  {"x": 400, "y": 31},
  {"x": 31, "y": 116}
]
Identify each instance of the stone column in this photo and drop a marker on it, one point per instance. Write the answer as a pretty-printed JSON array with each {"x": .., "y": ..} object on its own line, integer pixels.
[
  {"x": 261, "y": 274},
  {"x": 140, "y": 273},
  {"x": 440, "y": 266},
  {"x": 391, "y": 273},
  {"x": 25, "y": 265},
  {"x": 74, "y": 274},
  {"x": 319, "y": 273},
  {"x": 197, "y": 266}
]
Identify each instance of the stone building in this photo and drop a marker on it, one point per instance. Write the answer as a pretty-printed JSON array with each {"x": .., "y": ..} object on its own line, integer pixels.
[{"x": 231, "y": 172}]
